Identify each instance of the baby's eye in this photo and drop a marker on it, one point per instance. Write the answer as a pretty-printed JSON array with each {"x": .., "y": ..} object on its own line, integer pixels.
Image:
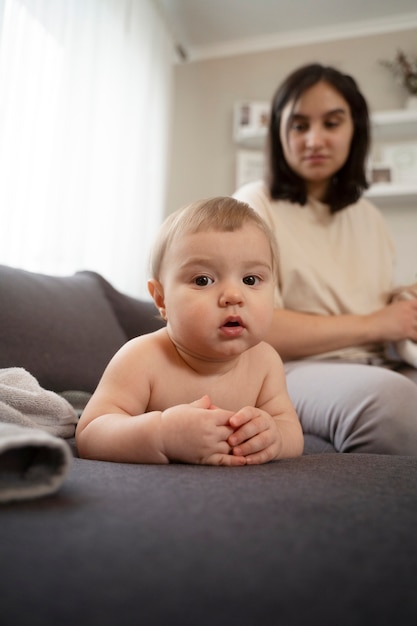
[
  {"x": 203, "y": 281},
  {"x": 251, "y": 280}
]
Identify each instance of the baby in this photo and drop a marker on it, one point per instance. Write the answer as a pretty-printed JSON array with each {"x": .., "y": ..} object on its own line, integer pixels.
[{"x": 206, "y": 388}]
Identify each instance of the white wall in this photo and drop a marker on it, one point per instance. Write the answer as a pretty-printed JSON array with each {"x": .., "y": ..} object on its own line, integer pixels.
[{"x": 202, "y": 160}]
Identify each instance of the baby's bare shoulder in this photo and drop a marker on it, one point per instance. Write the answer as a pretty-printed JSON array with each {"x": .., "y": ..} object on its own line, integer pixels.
[
  {"x": 266, "y": 362},
  {"x": 265, "y": 352},
  {"x": 142, "y": 351}
]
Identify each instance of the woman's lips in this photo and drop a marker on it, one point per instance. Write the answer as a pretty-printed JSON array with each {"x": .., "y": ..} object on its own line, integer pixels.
[{"x": 315, "y": 159}]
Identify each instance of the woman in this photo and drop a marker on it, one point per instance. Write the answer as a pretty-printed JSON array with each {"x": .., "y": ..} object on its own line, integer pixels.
[{"x": 333, "y": 319}]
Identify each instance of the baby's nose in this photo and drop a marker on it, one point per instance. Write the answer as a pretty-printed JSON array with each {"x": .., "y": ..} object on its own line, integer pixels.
[{"x": 232, "y": 294}]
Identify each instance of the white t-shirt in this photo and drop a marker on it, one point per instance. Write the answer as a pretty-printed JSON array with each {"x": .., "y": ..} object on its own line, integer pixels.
[{"x": 328, "y": 264}]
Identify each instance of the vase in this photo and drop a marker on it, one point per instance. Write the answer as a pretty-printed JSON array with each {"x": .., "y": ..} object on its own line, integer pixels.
[{"x": 411, "y": 102}]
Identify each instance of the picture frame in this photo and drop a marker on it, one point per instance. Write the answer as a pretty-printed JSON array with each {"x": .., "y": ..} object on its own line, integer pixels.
[
  {"x": 250, "y": 166},
  {"x": 402, "y": 160},
  {"x": 251, "y": 119},
  {"x": 381, "y": 173}
]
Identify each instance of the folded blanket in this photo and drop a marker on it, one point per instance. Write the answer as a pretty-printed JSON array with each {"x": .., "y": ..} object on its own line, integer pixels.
[
  {"x": 33, "y": 463},
  {"x": 23, "y": 401},
  {"x": 406, "y": 349},
  {"x": 34, "y": 460}
]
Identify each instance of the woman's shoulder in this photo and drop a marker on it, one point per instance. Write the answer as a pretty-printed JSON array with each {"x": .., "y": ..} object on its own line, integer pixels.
[
  {"x": 256, "y": 188},
  {"x": 365, "y": 203},
  {"x": 256, "y": 194},
  {"x": 365, "y": 217},
  {"x": 365, "y": 208}
]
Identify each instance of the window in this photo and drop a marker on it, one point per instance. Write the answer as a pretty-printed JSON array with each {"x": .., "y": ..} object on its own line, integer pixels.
[{"x": 85, "y": 94}]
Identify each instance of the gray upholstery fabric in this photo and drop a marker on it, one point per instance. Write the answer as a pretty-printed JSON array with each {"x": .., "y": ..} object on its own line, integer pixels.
[
  {"x": 324, "y": 539},
  {"x": 65, "y": 329},
  {"x": 135, "y": 316},
  {"x": 59, "y": 328}
]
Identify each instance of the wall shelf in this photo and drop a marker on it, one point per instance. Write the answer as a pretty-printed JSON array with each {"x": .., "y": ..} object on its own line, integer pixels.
[
  {"x": 387, "y": 124},
  {"x": 384, "y": 192},
  {"x": 395, "y": 143}
]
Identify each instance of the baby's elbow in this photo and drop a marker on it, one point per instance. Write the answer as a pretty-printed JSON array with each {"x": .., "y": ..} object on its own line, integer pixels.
[
  {"x": 296, "y": 448},
  {"x": 82, "y": 443},
  {"x": 299, "y": 448},
  {"x": 79, "y": 442}
]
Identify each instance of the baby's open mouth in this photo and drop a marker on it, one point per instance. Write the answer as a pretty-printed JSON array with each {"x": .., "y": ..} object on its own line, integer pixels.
[
  {"x": 233, "y": 322},
  {"x": 233, "y": 327}
]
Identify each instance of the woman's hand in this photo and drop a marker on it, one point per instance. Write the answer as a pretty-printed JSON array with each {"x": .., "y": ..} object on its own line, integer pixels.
[{"x": 395, "y": 322}]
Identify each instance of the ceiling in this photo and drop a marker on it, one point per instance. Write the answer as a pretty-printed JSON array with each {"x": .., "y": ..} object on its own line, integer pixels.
[{"x": 210, "y": 28}]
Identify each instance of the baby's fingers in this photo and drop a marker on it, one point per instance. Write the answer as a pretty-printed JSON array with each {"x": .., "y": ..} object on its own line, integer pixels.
[
  {"x": 243, "y": 416},
  {"x": 229, "y": 460},
  {"x": 263, "y": 456},
  {"x": 248, "y": 423},
  {"x": 254, "y": 445}
]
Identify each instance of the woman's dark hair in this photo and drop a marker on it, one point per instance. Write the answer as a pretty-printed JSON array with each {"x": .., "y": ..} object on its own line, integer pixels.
[{"x": 350, "y": 181}]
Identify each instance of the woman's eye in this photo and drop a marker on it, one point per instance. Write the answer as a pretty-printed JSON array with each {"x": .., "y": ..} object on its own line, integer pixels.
[
  {"x": 251, "y": 280},
  {"x": 331, "y": 123},
  {"x": 203, "y": 281},
  {"x": 299, "y": 127}
]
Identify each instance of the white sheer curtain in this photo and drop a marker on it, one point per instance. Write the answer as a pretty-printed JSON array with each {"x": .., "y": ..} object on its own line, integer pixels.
[{"x": 85, "y": 95}]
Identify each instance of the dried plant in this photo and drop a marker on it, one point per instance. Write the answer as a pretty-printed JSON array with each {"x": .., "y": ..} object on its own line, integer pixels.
[{"x": 404, "y": 70}]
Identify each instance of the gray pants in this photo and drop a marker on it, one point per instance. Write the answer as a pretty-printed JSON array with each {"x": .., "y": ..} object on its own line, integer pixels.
[{"x": 356, "y": 407}]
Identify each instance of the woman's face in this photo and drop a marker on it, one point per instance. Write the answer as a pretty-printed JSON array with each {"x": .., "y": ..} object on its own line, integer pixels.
[{"x": 316, "y": 133}]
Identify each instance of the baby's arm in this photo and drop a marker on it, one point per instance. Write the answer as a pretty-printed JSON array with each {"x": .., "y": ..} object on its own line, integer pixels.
[
  {"x": 197, "y": 433},
  {"x": 115, "y": 425},
  {"x": 188, "y": 433},
  {"x": 271, "y": 430}
]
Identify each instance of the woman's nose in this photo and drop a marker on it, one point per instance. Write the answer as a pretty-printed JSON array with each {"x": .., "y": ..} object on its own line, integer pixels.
[{"x": 314, "y": 137}]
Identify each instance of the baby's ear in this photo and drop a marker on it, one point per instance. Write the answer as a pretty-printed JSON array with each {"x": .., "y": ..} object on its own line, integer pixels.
[{"x": 156, "y": 290}]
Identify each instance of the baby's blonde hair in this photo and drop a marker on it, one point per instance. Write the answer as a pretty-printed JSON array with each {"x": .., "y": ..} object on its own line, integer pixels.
[{"x": 221, "y": 213}]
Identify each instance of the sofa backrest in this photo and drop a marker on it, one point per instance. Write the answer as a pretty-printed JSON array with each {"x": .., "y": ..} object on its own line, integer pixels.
[{"x": 65, "y": 329}]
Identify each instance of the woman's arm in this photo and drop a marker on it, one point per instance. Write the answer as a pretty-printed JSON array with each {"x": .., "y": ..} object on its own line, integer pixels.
[{"x": 298, "y": 335}]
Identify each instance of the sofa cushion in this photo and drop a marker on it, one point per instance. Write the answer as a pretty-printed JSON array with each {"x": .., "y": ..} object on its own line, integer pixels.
[
  {"x": 319, "y": 540},
  {"x": 61, "y": 329},
  {"x": 135, "y": 316}
]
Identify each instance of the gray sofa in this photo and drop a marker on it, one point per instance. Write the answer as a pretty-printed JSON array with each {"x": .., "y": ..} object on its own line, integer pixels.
[{"x": 324, "y": 539}]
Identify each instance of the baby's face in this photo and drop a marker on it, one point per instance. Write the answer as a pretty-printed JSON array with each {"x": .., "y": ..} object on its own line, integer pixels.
[{"x": 218, "y": 291}]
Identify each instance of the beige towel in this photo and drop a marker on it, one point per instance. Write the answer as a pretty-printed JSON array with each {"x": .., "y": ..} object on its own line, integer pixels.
[
  {"x": 24, "y": 402},
  {"x": 406, "y": 349}
]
